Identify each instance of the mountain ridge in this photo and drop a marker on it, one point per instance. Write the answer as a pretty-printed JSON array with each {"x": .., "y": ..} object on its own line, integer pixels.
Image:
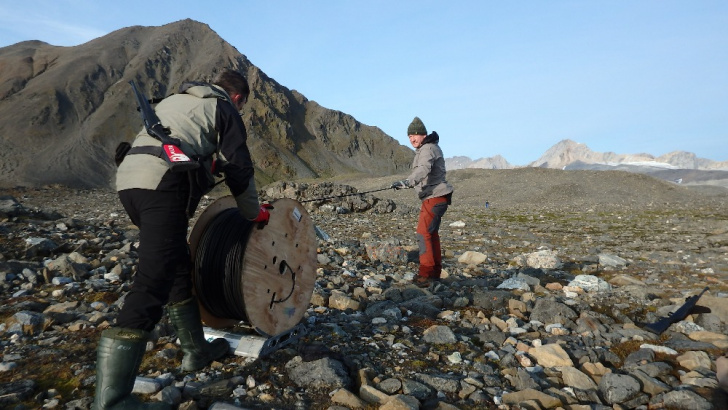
[
  {"x": 63, "y": 110},
  {"x": 568, "y": 152},
  {"x": 678, "y": 166}
]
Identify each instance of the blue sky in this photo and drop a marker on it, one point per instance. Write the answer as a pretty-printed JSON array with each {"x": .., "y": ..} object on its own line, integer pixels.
[{"x": 491, "y": 77}]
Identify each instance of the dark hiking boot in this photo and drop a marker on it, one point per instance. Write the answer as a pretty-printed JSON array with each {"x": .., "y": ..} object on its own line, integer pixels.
[
  {"x": 198, "y": 352},
  {"x": 424, "y": 282},
  {"x": 118, "y": 357}
]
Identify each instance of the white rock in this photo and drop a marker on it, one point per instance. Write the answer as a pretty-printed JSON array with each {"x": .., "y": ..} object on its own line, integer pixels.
[
  {"x": 659, "y": 349},
  {"x": 472, "y": 258},
  {"x": 591, "y": 283}
]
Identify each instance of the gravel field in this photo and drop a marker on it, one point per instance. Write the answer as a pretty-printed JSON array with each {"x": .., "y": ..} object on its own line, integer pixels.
[{"x": 516, "y": 329}]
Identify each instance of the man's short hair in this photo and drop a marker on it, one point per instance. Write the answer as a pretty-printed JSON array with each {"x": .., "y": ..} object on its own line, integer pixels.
[{"x": 232, "y": 82}]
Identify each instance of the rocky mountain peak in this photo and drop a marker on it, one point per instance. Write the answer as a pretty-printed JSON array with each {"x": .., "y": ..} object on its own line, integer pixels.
[
  {"x": 677, "y": 166},
  {"x": 682, "y": 159},
  {"x": 566, "y": 152},
  {"x": 63, "y": 110},
  {"x": 462, "y": 162}
]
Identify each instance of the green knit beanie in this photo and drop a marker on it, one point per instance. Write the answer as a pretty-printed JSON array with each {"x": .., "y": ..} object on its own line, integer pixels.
[{"x": 416, "y": 127}]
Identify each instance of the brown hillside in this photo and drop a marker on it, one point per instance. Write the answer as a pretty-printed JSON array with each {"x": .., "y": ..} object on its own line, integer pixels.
[{"x": 63, "y": 110}]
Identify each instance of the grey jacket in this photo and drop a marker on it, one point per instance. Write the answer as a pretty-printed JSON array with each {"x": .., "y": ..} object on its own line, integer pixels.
[
  {"x": 428, "y": 170},
  {"x": 204, "y": 119}
]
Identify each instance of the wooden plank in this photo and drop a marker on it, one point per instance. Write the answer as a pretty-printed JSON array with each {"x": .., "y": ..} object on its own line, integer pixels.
[{"x": 279, "y": 268}]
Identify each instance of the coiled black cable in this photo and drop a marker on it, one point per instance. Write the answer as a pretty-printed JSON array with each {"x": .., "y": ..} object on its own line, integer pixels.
[{"x": 218, "y": 265}]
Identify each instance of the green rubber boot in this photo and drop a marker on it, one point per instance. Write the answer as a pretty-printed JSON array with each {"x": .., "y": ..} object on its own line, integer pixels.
[
  {"x": 118, "y": 357},
  {"x": 185, "y": 317}
]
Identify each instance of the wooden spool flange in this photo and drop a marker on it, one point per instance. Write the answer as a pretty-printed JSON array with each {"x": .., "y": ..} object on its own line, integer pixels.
[{"x": 278, "y": 267}]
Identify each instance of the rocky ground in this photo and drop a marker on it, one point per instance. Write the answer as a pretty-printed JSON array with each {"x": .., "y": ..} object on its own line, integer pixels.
[{"x": 543, "y": 304}]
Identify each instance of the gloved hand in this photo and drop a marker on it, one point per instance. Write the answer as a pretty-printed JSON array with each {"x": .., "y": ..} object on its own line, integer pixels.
[
  {"x": 263, "y": 214},
  {"x": 400, "y": 184}
]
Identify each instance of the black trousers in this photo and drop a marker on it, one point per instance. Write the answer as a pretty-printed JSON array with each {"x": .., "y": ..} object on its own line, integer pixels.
[{"x": 163, "y": 274}]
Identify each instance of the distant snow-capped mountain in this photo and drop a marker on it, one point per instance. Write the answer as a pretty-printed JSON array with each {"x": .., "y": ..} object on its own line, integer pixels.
[
  {"x": 678, "y": 166},
  {"x": 461, "y": 162},
  {"x": 569, "y": 154}
]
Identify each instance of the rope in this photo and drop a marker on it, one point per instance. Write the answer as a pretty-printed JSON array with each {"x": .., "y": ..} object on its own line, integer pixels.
[
  {"x": 329, "y": 197},
  {"x": 218, "y": 265},
  {"x": 345, "y": 195}
]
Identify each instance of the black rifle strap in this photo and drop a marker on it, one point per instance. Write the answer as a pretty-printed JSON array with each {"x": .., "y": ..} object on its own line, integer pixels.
[
  {"x": 121, "y": 150},
  {"x": 147, "y": 149}
]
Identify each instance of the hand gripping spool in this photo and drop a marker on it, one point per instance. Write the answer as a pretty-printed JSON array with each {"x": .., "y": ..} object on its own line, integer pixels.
[{"x": 246, "y": 272}]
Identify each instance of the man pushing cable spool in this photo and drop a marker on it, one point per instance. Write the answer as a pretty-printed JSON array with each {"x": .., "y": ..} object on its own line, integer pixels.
[
  {"x": 259, "y": 274},
  {"x": 188, "y": 139}
]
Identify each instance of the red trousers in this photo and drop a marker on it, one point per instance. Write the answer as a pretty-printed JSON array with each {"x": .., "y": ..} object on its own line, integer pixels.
[{"x": 428, "y": 238}]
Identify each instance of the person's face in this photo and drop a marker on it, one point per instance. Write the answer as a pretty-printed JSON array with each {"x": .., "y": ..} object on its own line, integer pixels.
[{"x": 416, "y": 140}]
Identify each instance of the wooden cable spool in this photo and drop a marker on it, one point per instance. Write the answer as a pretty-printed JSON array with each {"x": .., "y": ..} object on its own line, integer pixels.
[{"x": 269, "y": 284}]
